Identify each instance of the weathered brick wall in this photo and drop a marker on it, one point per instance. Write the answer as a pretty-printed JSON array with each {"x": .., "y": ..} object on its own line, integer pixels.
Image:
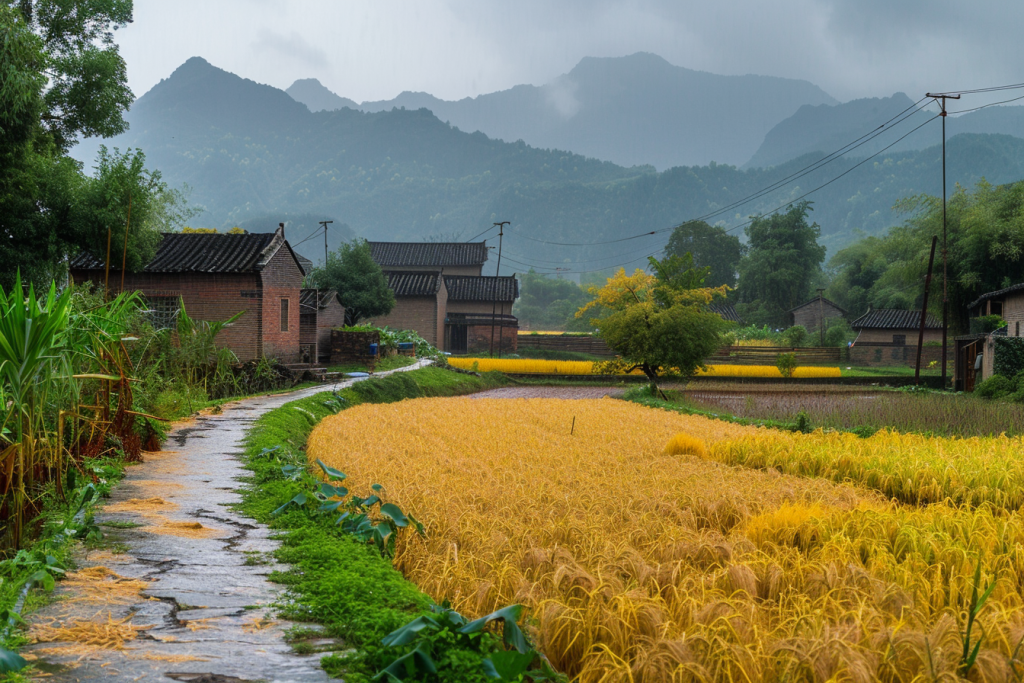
[
  {"x": 810, "y": 315},
  {"x": 282, "y": 279},
  {"x": 207, "y": 296},
  {"x": 480, "y": 307},
  {"x": 330, "y": 316},
  {"x": 1013, "y": 314},
  {"x": 442, "y": 312},
  {"x": 419, "y": 313},
  {"x": 885, "y": 336},
  {"x": 896, "y": 355},
  {"x": 479, "y": 339},
  {"x": 353, "y": 347}
]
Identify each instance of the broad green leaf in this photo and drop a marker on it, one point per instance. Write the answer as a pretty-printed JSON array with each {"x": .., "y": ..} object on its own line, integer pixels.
[
  {"x": 11, "y": 661},
  {"x": 391, "y": 510},
  {"x": 509, "y": 664},
  {"x": 299, "y": 500},
  {"x": 332, "y": 474},
  {"x": 410, "y": 631}
]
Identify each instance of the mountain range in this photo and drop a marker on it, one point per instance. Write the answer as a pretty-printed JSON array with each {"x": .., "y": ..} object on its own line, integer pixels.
[{"x": 254, "y": 156}]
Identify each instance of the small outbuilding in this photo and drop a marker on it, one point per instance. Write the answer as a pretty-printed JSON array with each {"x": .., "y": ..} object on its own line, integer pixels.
[
  {"x": 814, "y": 315},
  {"x": 420, "y": 301},
  {"x": 985, "y": 351},
  {"x": 887, "y": 336},
  {"x": 476, "y": 306}
]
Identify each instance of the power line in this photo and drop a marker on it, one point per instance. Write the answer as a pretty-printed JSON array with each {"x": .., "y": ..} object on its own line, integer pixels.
[
  {"x": 997, "y": 88},
  {"x": 315, "y": 233},
  {"x": 984, "y": 106}
]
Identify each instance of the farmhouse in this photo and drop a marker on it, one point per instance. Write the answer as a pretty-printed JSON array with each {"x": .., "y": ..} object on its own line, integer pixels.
[
  {"x": 441, "y": 293},
  {"x": 476, "y": 304},
  {"x": 813, "y": 314},
  {"x": 887, "y": 336},
  {"x": 218, "y": 276},
  {"x": 978, "y": 355}
]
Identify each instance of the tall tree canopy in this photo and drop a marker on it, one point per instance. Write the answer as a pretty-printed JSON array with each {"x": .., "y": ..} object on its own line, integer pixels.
[
  {"x": 985, "y": 233},
  {"x": 361, "y": 283},
  {"x": 549, "y": 303},
  {"x": 711, "y": 247},
  {"x": 661, "y": 321},
  {"x": 62, "y": 78},
  {"x": 782, "y": 264}
]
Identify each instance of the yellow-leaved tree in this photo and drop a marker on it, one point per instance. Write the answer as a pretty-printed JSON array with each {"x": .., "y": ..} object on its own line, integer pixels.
[{"x": 660, "y": 320}]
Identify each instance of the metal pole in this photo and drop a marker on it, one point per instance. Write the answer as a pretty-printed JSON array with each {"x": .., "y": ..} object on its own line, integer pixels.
[
  {"x": 941, "y": 99},
  {"x": 325, "y": 224},
  {"x": 924, "y": 311},
  {"x": 494, "y": 290}
]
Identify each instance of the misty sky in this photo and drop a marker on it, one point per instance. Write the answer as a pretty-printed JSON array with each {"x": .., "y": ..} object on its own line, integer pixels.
[{"x": 375, "y": 49}]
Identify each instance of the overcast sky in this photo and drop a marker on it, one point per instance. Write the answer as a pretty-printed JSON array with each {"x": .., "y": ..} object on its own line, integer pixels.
[{"x": 375, "y": 49}]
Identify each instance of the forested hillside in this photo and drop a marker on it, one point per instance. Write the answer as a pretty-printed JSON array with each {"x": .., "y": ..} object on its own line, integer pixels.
[{"x": 250, "y": 152}]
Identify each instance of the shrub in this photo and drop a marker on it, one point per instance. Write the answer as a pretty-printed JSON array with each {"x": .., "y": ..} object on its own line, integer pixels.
[
  {"x": 796, "y": 335},
  {"x": 786, "y": 363},
  {"x": 995, "y": 386},
  {"x": 1009, "y": 356}
]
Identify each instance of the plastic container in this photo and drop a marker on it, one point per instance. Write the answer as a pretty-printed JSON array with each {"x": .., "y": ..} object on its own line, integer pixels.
[{"x": 373, "y": 349}]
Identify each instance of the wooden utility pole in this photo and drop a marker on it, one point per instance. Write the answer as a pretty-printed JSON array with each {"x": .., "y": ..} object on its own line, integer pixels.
[
  {"x": 941, "y": 99},
  {"x": 124, "y": 253},
  {"x": 494, "y": 290},
  {"x": 924, "y": 313},
  {"x": 325, "y": 224}
]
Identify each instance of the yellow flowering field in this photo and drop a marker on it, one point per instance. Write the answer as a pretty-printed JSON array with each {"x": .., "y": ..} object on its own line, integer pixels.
[
  {"x": 641, "y": 557},
  {"x": 584, "y": 367}
]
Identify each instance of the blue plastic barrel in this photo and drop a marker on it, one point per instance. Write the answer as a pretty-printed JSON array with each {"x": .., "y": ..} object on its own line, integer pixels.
[
  {"x": 373, "y": 349},
  {"x": 405, "y": 346}
]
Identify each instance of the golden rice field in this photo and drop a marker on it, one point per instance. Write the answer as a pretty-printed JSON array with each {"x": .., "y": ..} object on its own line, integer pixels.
[
  {"x": 642, "y": 558},
  {"x": 584, "y": 367}
]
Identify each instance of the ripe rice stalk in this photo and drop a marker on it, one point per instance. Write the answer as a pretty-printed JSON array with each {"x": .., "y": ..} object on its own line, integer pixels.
[{"x": 638, "y": 565}]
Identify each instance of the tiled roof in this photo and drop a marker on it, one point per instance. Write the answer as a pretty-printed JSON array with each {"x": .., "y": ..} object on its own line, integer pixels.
[
  {"x": 439, "y": 254},
  {"x": 413, "y": 283},
  {"x": 202, "y": 253},
  {"x": 305, "y": 263},
  {"x": 997, "y": 293},
  {"x": 320, "y": 298},
  {"x": 481, "y": 287},
  {"x": 727, "y": 311},
  {"x": 894, "y": 319},
  {"x": 815, "y": 301}
]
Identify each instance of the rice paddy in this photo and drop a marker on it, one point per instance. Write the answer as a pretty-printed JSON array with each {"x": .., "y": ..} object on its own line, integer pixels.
[
  {"x": 651, "y": 546},
  {"x": 529, "y": 366}
]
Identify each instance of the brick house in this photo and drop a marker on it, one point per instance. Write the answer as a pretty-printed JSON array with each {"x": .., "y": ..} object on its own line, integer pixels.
[
  {"x": 476, "y": 304},
  {"x": 420, "y": 303},
  {"x": 441, "y": 293},
  {"x": 452, "y": 258},
  {"x": 321, "y": 312},
  {"x": 1008, "y": 304},
  {"x": 218, "y": 276},
  {"x": 814, "y": 314},
  {"x": 887, "y": 336}
]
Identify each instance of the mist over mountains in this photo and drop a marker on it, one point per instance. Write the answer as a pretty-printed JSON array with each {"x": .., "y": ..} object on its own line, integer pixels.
[
  {"x": 632, "y": 111},
  {"x": 254, "y": 156}
]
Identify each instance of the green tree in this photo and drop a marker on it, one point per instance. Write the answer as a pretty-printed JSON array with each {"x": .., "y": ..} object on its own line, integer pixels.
[
  {"x": 712, "y": 247},
  {"x": 661, "y": 321},
  {"x": 352, "y": 272},
  {"x": 782, "y": 262},
  {"x": 548, "y": 303}
]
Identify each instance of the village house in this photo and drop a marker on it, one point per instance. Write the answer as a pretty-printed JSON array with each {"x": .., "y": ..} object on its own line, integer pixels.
[
  {"x": 441, "y": 294},
  {"x": 218, "y": 276},
  {"x": 814, "y": 315},
  {"x": 976, "y": 353},
  {"x": 887, "y": 336}
]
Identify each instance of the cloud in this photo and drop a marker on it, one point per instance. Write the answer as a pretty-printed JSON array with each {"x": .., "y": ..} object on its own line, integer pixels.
[
  {"x": 293, "y": 46},
  {"x": 561, "y": 96}
]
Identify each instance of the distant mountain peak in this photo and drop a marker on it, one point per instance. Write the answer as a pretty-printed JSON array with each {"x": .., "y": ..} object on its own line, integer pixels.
[{"x": 317, "y": 97}]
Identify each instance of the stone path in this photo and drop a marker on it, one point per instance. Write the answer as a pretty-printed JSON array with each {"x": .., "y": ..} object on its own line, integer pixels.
[{"x": 188, "y": 599}]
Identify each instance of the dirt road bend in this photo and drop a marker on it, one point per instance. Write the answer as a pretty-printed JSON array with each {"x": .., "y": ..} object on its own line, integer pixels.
[{"x": 184, "y": 596}]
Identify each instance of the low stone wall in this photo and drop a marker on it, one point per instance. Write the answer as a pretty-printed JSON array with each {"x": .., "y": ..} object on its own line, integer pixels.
[
  {"x": 892, "y": 355},
  {"x": 354, "y": 347}
]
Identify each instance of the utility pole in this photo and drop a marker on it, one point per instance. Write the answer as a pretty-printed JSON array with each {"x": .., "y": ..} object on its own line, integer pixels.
[
  {"x": 494, "y": 290},
  {"x": 821, "y": 316},
  {"x": 325, "y": 224},
  {"x": 924, "y": 312},
  {"x": 941, "y": 99}
]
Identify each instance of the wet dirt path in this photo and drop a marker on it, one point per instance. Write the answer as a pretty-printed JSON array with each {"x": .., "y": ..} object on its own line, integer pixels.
[{"x": 186, "y": 598}]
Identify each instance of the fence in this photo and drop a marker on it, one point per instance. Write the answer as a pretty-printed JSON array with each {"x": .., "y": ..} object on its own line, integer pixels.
[{"x": 577, "y": 343}]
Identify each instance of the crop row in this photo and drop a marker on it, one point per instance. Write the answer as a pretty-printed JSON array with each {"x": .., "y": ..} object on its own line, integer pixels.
[{"x": 580, "y": 367}]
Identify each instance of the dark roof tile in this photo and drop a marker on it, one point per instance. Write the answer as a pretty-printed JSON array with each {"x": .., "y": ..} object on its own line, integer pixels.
[
  {"x": 894, "y": 319},
  {"x": 413, "y": 282},
  {"x": 317, "y": 297},
  {"x": 727, "y": 311},
  {"x": 815, "y": 301},
  {"x": 481, "y": 287},
  {"x": 1000, "y": 292},
  {"x": 439, "y": 254}
]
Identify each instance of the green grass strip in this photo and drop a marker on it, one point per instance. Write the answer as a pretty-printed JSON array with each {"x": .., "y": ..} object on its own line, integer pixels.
[{"x": 346, "y": 586}]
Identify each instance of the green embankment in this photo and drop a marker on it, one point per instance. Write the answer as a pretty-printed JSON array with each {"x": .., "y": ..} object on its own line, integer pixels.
[{"x": 345, "y": 586}]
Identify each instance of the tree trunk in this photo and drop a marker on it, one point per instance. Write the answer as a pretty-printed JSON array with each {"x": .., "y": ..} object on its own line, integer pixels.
[{"x": 652, "y": 375}]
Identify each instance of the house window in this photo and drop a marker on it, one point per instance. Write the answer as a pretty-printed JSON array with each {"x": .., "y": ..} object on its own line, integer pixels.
[
  {"x": 997, "y": 308},
  {"x": 284, "y": 315},
  {"x": 899, "y": 339},
  {"x": 162, "y": 311}
]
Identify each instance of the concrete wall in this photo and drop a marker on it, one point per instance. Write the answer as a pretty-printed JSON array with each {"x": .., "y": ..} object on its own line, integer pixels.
[
  {"x": 479, "y": 307},
  {"x": 890, "y": 355},
  {"x": 208, "y": 296},
  {"x": 282, "y": 280}
]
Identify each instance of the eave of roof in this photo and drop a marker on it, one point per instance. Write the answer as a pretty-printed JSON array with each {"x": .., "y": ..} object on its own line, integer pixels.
[
  {"x": 398, "y": 255},
  {"x": 414, "y": 282},
  {"x": 999, "y": 292},
  {"x": 815, "y": 300},
  {"x": 482, "y": 288},
  {"x": 894, "y": 319}
]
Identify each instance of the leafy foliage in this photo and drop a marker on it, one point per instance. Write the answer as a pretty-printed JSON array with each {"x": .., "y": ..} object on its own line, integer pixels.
[
  {"x": 711, "y": 247},
  {"x": 359, "y": 281},
  {"x": 1008, "y": 360}
]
